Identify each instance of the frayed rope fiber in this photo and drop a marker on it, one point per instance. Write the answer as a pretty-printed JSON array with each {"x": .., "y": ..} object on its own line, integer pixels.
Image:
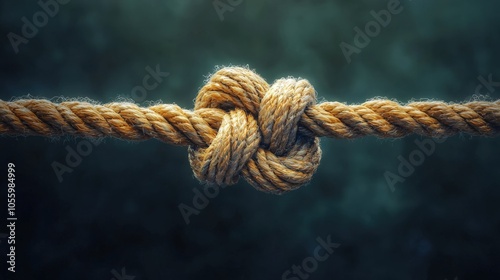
[{"x": 241, "y": 126}]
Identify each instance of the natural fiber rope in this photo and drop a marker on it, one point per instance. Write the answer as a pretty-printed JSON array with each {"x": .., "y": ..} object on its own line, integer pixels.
[{"x": 242, "y": 126}]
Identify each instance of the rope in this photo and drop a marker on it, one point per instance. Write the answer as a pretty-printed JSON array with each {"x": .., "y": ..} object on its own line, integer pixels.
[{"x": 241, "y": 126}]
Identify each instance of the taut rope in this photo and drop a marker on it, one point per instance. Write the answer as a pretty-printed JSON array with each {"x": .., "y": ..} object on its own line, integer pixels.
[{"x": 242, "y": 126}]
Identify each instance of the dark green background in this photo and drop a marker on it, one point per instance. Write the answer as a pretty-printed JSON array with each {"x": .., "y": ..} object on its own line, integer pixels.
[{"x": 119, "y": 207}]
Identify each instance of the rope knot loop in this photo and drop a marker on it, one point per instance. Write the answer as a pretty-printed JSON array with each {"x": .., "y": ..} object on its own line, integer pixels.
[
  {"x": 243, "y": 127},
  {"x": 258, "y": 137}
]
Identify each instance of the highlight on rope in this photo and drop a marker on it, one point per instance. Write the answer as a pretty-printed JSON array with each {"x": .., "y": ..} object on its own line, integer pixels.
[{"x": 243, "y": 127}]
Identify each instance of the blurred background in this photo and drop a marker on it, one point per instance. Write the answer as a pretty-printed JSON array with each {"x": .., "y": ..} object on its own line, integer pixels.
[{"x": 114, "y": 214}]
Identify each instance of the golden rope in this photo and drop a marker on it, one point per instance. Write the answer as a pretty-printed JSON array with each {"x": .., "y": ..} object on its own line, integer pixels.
[{"x": 242, "y": 126}]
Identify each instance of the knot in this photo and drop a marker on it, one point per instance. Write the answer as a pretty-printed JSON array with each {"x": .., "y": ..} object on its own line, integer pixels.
[{"x": 258, "y": 137}]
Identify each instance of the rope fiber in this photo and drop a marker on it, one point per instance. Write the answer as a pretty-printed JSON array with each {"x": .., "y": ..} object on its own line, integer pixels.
[{"x": 242, "y": 126}]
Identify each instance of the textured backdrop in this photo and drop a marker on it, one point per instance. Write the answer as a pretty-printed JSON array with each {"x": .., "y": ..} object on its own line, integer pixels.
[{"x": 391, "y": 209}]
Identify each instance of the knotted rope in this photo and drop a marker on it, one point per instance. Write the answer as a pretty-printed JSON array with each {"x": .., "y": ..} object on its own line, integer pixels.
[{"x": 241, "y": 126}]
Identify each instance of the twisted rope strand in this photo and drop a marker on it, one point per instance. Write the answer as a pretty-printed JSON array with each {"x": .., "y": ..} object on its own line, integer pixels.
[
  {"x": 242, "y": 126},
  {"x": 174, "y": 125}
]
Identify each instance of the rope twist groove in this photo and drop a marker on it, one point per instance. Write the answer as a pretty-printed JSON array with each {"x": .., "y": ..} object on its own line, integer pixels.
[{"x": 242, "y": 126}]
